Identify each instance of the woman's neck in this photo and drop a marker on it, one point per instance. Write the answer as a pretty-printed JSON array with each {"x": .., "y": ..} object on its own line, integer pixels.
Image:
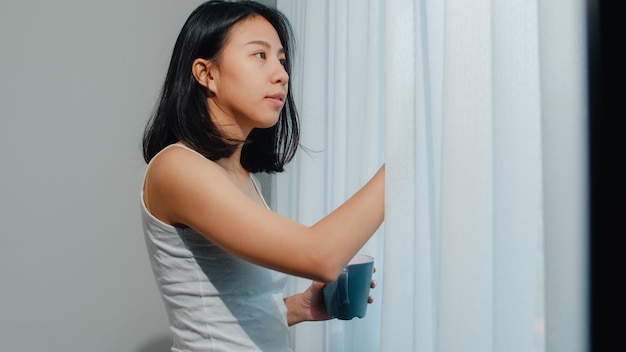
[{"x": 232, "y": 166}]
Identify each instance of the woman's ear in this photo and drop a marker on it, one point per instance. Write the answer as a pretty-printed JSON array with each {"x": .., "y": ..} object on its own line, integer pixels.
[{"x": 203, "y": 71}]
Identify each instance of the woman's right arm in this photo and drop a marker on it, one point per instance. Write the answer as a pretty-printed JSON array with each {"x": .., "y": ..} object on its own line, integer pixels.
[{"x": 185, "y": 189}]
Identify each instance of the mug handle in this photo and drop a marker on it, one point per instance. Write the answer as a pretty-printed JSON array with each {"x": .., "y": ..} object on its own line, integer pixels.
[{"x": 342, "y": 288}]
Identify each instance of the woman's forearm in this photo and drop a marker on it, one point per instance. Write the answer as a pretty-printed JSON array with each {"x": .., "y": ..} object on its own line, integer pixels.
[{"x": 349, "y": 227}]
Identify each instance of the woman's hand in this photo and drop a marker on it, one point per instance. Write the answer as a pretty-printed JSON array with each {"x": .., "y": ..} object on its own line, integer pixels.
[
  {"x": 370, "y": 299},
  {"x": 309, "y": 305}
]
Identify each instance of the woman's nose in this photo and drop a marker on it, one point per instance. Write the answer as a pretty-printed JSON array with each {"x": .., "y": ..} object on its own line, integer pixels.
[{"x": 280, "y": 75}]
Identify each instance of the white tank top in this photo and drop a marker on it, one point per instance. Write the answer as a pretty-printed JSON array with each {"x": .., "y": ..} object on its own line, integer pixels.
[{"x": 214, "y": 300}]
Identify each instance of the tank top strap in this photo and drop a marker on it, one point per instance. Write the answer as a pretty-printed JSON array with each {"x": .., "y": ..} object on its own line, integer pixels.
[{"x": 257, "y": 188}]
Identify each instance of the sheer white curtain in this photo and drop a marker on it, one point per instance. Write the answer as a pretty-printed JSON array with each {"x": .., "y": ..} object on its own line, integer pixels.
[
  {"x": 464, "y": 130},
  {"x": 339, "y": 89},
  {"x": 477, "y": 108}
]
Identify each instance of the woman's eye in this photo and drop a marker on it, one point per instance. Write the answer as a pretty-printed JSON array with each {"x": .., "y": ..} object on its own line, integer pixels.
[
  {"x": 283, "y": 61},
  {"x": 260, "y": 55}
]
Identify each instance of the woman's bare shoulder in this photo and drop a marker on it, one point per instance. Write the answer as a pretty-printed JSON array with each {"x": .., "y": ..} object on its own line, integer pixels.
[{"x": 176, "y": 176}]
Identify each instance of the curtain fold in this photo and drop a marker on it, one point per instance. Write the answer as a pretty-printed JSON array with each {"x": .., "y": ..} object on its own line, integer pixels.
[{"x": 455, "y": 98}]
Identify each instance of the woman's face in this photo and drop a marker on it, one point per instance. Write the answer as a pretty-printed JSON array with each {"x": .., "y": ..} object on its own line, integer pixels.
[{"x": 249, "y": 81}]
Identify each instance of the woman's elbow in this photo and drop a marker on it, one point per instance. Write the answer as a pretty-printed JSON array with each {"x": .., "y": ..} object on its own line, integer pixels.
[{"x": 326, "y": 270}]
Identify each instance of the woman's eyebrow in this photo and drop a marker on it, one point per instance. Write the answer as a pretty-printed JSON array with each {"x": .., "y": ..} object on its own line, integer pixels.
[{"x": 265, "y": 44}]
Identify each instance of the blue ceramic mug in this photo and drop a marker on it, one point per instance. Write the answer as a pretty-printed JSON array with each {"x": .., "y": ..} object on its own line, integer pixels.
[{"x": 347, "y": 296}]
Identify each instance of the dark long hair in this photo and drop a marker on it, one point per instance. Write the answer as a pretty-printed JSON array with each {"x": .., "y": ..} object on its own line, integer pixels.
[{"x": 182, "y": 113}]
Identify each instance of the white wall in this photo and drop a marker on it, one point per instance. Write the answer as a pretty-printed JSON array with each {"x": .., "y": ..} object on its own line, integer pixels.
[{"x": 78, "y": 80}]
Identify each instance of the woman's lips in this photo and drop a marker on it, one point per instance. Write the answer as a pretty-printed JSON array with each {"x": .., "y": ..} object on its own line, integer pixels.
[{"x": 277, "y": 99}]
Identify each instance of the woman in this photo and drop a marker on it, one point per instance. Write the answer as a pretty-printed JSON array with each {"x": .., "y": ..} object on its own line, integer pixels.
[{"x": 219, "y": 254}]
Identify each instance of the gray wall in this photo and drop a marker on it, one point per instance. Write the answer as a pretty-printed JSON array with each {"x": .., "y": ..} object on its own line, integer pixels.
[{"x": 78, "y": 80}]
